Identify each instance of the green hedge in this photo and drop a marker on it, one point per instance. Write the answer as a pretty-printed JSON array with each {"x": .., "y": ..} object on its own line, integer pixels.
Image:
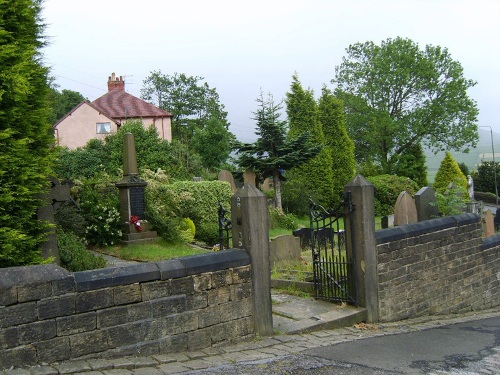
[
  {"x": 387, "y": 189},
  {"x": 169, "y": 203}
]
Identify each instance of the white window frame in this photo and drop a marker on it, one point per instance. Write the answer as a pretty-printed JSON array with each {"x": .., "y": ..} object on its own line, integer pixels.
[{"x": 103, "y": 128}]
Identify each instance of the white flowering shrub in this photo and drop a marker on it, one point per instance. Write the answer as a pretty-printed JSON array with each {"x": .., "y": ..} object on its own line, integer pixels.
[{"x": 103, "y": 226}]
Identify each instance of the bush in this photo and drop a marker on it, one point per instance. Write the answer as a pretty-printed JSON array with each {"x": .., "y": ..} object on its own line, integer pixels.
[
  {"x": 208, "y": 232},
  {"x": 70, "y": 219},
  {"x": 278, "y": 219},
  {"x": 74, "y": 256},
  {"x": 198, "y": 201},
  {"x": 387, "y": 190},
  {"x": 451, "y": 202},
  {"x": 103, "y": 226},
  {"x": 484, "y": 179},
  {"x": 485, "y": 197},
  {"x": 187, "y": 230},
  {"x": 99, "y": 202}
]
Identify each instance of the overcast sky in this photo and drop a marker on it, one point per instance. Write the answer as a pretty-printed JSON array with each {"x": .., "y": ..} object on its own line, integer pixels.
[{"x": 241, "y": 47}]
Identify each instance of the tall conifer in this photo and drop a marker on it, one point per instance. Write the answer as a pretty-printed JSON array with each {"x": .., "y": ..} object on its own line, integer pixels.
[
  {"x": 313, "y": 179},
  {"x": 25, "y": 132},
  {"x": 338, "y": 142}
]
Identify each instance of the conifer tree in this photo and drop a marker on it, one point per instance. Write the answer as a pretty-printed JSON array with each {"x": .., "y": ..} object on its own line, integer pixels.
[
  {"x": 449, "y": 172},
  {"x": 313, "y": 179},
  {"x": 25, "y": 132},
  {"x": 339, "y": 144},
  {"x": 273, "y": 152}
]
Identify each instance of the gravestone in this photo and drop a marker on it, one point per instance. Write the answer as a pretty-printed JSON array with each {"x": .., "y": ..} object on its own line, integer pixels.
[
  {"x": 227, "y": 176},
  {"x": 132, "y": 202},
  {"x": 488, "y": 224},
  {"x": 405, "y": 211},
  {"x": 285, "y": 247},
  {"x": 426, "y": 204},
  {"x": 249, "y": 177},
  {"x": 384, "y": 222}
]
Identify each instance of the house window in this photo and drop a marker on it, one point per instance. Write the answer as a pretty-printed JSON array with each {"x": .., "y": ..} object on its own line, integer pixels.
[{"x": 103, "y": 128}]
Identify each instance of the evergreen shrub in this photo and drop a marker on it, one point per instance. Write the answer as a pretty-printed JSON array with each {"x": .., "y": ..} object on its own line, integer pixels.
[
  {"x": 387, "y": 189},
  {"x": 278, "y": 219},
  {"x": 74, "y": 256},
  {"x": 449, "y": 172},
  {"x": 198, "y": 201}
]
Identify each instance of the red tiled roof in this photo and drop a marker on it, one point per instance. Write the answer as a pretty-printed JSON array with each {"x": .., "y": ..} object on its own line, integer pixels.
[{"x": 120, "y": 104}]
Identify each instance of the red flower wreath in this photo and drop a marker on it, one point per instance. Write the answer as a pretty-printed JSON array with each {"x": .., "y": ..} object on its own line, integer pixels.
[{"x": 135, "y": 220}]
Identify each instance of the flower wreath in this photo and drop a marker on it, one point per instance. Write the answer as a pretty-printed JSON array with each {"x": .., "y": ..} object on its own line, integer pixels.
[{"x": 135, "y": 220}]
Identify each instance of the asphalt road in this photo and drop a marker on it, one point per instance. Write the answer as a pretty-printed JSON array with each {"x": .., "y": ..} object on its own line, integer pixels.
[{"x": 465, "y": 349}]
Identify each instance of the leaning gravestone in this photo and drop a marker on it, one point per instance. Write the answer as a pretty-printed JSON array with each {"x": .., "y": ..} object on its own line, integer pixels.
[
  {"x": 249, "y": 177},
  {"x": 488, "y": 224},
  {"x": 426, "y": 204},
  {"x": 405, "y": 211},
  {"x": 132, "y": 202},
  {"x": 227, "y": 176}
]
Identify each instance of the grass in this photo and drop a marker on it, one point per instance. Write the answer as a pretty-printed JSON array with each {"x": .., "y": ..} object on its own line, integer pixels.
[
  {"x": 161, "y": 250},
  {"x": 151, "y": 251},
  {"x": 297, "y": 270}
]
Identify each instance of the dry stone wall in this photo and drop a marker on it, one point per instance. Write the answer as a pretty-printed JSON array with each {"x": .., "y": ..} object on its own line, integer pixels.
[
  {"x": 48, "y": 314},
  {"x": 437, "y": 266}
]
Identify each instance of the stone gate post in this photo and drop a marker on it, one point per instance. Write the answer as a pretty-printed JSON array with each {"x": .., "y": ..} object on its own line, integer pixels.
[
  {"x": 361, "y": 224},
  {"x": 250, "y": 221}
]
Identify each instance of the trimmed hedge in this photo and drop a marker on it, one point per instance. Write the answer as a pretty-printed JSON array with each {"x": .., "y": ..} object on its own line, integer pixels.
[{"x": 198, "y": 201}]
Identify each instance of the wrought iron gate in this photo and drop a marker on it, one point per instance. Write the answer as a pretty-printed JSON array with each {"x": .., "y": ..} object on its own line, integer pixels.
[{"x": 333, "y": 258}]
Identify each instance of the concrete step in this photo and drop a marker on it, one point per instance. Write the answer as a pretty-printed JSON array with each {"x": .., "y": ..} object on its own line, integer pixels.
[{"x": 293, "y": 314}]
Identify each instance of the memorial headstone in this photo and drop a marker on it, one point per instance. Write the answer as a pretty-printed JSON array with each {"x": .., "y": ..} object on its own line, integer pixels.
[
  {"x": 227, "y": 176},
  {"x": 249, "y": 177},
  {"x": 132, "y": 202},
  {"x": 426, "y": 204},
  {"x": 384, "y": 222},
  {"x": 405, "y": 211},
  {"x": 489, "y": 226}
]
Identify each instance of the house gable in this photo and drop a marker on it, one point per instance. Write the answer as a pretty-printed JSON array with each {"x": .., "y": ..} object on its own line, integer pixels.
[
  {"x": 81, "y": 124},
  {"x": 112, "y": 109}
]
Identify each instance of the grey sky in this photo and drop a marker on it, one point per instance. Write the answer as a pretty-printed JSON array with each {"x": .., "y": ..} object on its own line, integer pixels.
[{"x": 241, "y": 47}]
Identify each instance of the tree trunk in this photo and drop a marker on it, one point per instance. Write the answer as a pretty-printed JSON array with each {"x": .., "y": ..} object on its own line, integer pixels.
[{"x": 277, "y": 191}]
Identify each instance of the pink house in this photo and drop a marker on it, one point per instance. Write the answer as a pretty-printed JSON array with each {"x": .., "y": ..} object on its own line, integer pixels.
[{"x": 105, "y": 115}]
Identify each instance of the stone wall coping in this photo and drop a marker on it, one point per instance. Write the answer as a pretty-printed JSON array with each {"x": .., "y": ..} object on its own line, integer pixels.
[
  {"x": 423, "y": 227},
  {"x": 490, "y": 242},
  {"x": 28, "y": 275},
  {"x": 110, "y": 277}
]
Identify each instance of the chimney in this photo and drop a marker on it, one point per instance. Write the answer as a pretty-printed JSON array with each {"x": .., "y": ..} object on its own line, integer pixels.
[{"x": 115, "y": 84}]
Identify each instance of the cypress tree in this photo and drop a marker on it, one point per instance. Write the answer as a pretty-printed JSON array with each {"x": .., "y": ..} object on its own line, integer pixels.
[
  {"x": 25, "y": 132},
  {"x": 313, "y": 179},
  {"x": 339, "y": 144}
]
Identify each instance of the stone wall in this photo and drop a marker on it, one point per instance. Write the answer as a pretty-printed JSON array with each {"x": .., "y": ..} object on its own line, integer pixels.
[
  {"x": 437, "y": 266},
  {"x": 48, "y": 314}
]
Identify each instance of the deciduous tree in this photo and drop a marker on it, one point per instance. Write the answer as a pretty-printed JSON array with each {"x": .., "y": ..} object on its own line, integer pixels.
[{"x": 398, "y": 95}]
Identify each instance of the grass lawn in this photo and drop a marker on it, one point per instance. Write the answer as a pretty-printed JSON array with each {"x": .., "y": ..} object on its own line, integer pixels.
[
  {"x": 151, "y": 251},
  {"x": 161, "y": 250}
]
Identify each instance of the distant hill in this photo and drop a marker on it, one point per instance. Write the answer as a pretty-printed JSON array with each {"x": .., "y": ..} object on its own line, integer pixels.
[{"x": 472, "y": 159}]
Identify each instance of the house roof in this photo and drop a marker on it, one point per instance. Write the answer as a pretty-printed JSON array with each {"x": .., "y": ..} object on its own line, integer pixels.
[
  {"x": 90, "y": 105},
  {"x": 120, "y": 105}
]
